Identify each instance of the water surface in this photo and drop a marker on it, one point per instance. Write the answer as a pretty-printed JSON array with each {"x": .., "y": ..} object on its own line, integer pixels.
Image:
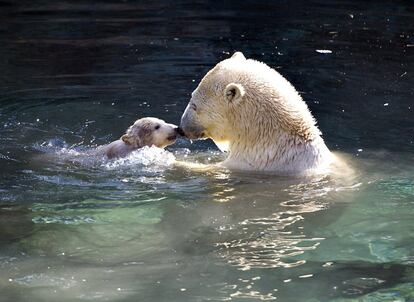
[{"x": 75, "y": 228}]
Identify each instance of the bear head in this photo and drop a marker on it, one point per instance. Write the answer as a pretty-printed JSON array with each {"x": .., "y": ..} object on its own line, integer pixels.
[{"x": 246, "y": 102}]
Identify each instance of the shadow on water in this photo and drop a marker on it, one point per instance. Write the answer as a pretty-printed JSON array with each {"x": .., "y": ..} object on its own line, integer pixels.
[{"x": 75, "y": 75}]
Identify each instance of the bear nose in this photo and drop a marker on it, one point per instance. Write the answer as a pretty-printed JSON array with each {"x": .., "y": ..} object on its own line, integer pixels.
[{"x": 180, "y": 131}]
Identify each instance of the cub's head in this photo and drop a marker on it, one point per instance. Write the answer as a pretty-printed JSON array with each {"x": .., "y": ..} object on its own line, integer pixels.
[{"x": 150, "y": 131}]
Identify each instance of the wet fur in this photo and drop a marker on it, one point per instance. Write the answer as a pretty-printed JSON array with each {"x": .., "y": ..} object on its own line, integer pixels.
[
  {"x": 138, "y": 135},
  {"x": 259, "y": 116}
]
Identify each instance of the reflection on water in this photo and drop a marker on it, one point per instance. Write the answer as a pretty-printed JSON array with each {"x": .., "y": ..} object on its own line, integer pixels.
[
  {"x": 77, "y": 227},
  {"x": 271, "y": 241},
  {"x": 254, "y": 237}
]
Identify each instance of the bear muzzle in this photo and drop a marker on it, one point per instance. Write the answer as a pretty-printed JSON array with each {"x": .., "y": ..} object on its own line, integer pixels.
[
  {"x": 191, "y": 129},
  {"x": 193, "y": 133}
]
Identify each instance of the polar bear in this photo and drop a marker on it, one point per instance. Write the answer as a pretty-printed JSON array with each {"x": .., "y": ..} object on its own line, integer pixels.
[
  {"x": 254, "y": 113},
  {"x": 148, "y": 131}
]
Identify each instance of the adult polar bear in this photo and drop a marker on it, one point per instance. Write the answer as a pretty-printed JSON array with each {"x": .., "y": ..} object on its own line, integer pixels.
[{"x": 259, "y": 118}]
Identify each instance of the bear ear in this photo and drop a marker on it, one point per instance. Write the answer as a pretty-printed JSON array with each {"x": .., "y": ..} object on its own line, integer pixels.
[
  {"x": 234, "y": 92},
  {"x": 126, "y": 139},
  {"x": 238, "y": 56}
]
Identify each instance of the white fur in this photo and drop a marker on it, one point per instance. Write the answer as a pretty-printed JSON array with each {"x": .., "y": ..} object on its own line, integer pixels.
[
  {"x": 142, "y": 133},
  {"x": 116, "y": 149},
  {"x": 264, "y": 123}
]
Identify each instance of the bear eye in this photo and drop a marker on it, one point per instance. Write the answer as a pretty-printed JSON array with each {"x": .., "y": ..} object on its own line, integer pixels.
[
  {"x": 157, "y": 127},
  {"x": 194, "y": 106}
]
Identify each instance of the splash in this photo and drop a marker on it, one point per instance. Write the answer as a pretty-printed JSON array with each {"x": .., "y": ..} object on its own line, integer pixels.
[
  {"x": 87, "y": 156},
  {"x": 144, "y": 157}
]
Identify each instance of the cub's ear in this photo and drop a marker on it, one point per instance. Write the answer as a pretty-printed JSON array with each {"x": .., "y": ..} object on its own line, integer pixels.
[
  {"x": 234, "y": 92},
  {"x": 238, "y": 56},
  {"x": 126, "y": 139}
]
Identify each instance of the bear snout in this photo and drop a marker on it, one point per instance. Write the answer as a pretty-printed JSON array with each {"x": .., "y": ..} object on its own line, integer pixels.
[
  {"x": 193, "y": 132},
  {"x": 172, "y": 137},
  {"x": 190, "y": 126}
]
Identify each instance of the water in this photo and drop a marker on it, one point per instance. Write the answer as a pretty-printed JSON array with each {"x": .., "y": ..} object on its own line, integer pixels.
[{"x": 78, "y": 228}]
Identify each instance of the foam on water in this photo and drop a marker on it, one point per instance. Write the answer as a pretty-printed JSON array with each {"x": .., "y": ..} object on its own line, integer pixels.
[
  {"x": 146, "y": 156},
  {"x": 86, "y": 156}
]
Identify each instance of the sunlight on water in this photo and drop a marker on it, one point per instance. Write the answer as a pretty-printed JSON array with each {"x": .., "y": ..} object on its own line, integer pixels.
[{"x": 277, "y": 238}]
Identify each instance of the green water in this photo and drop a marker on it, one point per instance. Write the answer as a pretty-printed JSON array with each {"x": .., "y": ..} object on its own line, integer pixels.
[{"x": 165, "y": 234}]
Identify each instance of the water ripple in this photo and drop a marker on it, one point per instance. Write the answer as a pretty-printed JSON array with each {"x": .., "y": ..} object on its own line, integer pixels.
[{"x": 268, "y": 243}]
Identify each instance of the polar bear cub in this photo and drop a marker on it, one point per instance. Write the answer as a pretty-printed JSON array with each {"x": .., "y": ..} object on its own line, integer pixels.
[{"x": 148, "y": 131}]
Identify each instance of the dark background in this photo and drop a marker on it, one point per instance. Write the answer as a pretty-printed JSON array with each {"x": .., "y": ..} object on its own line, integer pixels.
[{"x": 82, "y": 71}]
